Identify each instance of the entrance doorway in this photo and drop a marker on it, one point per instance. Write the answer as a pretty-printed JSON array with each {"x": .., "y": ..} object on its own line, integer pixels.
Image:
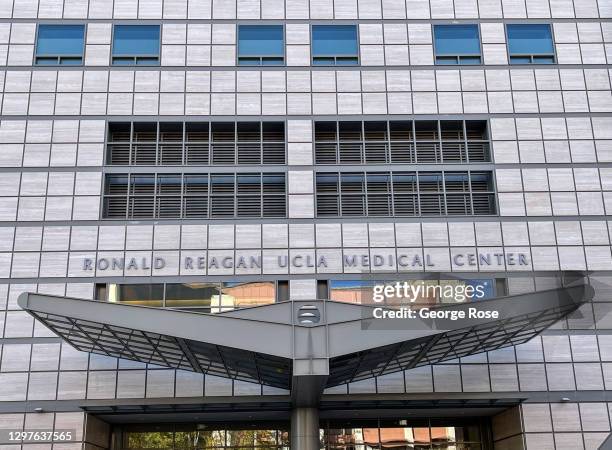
[{"x": 369, "y": 434}]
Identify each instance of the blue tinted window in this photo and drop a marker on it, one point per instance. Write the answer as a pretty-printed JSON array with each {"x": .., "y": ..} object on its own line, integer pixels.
[
  {"x": 527, "y": 41},
  {"x": 334, "y": 44},
  {"x": 260, "y": 45},
  {"x": 260, "y": 40},
  {"x": 136, "y": 40},
  {"x": 457, "y": 40},
  {"x": 457, "y": 44},
  {"x": 60, "y": 44}
]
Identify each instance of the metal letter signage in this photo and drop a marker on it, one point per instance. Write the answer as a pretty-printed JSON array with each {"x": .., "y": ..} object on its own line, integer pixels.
[{"x": 391, "y": 261}]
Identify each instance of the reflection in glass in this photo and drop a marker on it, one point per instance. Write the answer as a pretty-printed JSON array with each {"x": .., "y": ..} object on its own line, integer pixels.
[
  {"x": 397, "y": 437},
  {"x": 351, "y": 291},
  {"x": 211, "y": 438},
  {"x": 243, "y": 295},
  {"x": 137, "y": 294},
  {"x": 183, "y": 295},
  {"x": 149, "y": 439},
  {"x": 240, "y": 438},
  {"x": 348, "y": 438},
  {"x": 187, "y": 440},
  {"x": 383, "y": 434},
  {"x": 265, "y": 438},
  {"x": 206, "y": 296}
]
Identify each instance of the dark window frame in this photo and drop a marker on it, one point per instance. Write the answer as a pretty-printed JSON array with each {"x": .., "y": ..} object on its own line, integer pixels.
[
  {"x": 460, "y": 58},
  {"x": 261, "y": 59},
  {"x": 136, "y": 60},
  {"x": 531, "y": 56},
  {"x": 59, "y": 58},
  {"x": 336, "y": 59}
]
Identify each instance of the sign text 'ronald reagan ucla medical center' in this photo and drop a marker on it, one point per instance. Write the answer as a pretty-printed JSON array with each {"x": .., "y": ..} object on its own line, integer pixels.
[{"x": 415, "y": 261}]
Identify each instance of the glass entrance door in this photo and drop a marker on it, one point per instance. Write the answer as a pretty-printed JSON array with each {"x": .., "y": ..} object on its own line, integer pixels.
[
  {"x": 371, "y": 434},
  {"x": 204, "y": 437},
  {"x": 403, "y": 434}
]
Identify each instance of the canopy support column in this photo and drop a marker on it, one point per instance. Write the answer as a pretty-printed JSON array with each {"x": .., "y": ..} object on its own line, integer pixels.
[{"x": 304, "y": 428}]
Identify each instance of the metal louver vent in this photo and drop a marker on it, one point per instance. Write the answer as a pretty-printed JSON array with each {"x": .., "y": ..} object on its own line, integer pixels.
[
  {"x": 144, "y": 154},
  {"x": 403, "y": 194},
  {"x": 273, "y": 152},
  {"x": 274, "y": 206},
  {"x": 402, "y": 152},
  {"x": 196, "y": 143},
  {"x": 221, "y": 206},
  {"x": 171, "y": 154},
  {"x": 431, "y": 204},
  {"x": 428, "y": 152},
  {"x": 249, "y": 153},
  {"x": 168, "y": 196},
  {"x": 328, "y": 206},
  {"x": 249, "y": 206},
  {"x": 119, "y": 154},
  {"x": 115, "y": 207},
  {"x": 196, "y": 153},
  {"x": 401, "y": 142},
  {"x": 353, "y": 205},
  {"x": 376, "y": 152},
  {"x": 223, "y": 153}
]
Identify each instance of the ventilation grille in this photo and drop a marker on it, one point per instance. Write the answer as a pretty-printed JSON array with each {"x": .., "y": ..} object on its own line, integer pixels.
[
  {"x": 168, "y": 196},
  {"x": 401, "y": 142},
  {"x": 385, "y": 194},
  {"x": 196, "y": 143}
]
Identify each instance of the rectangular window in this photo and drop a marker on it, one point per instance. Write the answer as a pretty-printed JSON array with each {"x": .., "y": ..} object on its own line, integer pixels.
[
  {"x": 261, "y": 45},
  {"x": 137, "y": 294},
  {"x": 335, "y": 45},
  {"x": 60, "y": 44},
  {"x": 214, "y": 436},
  {"x": 245, "y": 294},
  {"x": 210, "y": 297},
  {"x": 185, "y": 295},
  {"x": 101, "y": 292},
  {"x": 530, "y": 44},
  {"x": 352, "y": 291},
  {"x": 214, "y": 196},
  {"x": 405, "y": 194},
  {"x": 135, "y": 45},
  {"x": 457, "y": 44}
]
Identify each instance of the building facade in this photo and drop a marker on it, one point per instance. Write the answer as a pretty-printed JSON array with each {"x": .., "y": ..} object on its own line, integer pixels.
[{"x": 214, "y": 155}]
